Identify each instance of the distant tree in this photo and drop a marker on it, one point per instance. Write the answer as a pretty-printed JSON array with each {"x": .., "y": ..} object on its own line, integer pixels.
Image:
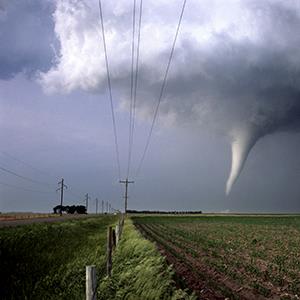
[
  {"x": 81, "y": 209},
  {"x": 70, "y": 209}
]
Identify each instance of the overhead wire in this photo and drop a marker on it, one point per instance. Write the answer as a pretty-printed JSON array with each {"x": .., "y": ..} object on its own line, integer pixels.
[
  {"x": 26, "y": 164},
  {"x": 131, "y": 88},
  {"x": 24, "y": 189},
  {"x": 75, "y": 194},
  {"x": 24, "y": 177},
  {"x": 110, "y": 91},
  {"x": 135, "y": 84},
  {"x": 161, "y": 91}
]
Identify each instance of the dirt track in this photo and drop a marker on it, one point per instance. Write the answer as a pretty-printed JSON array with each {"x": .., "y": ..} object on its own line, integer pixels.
[{"x": 13, "y": 223}]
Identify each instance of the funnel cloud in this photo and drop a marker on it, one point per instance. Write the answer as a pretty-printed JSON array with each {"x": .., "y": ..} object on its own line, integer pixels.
[
  {"x": 242, "y": 142},
  {"x": 236, "y": 66}
]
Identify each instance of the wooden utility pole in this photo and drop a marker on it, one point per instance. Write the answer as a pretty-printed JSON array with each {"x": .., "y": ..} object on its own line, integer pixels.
[
  {"x": 126, "y": 191},
  {"x": 96, "y": 206},
  {"x": 61, "y": 189},
  {"x": 107, "y": 207},
  {"x": 102, "y": 207},
  {"x": 87, "y": 197}
]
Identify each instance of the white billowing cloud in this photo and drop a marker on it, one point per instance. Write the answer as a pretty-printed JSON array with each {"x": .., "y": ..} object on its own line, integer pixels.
[{"x": 236, "y": 63}]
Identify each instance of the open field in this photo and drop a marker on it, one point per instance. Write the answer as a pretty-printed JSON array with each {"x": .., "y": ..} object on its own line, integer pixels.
[
  {"x": 12, "y": 221},
  {"x": 24, "y": 216},
  {"x": 239, "y": 257},
  {"x": 47, "y": 261}
]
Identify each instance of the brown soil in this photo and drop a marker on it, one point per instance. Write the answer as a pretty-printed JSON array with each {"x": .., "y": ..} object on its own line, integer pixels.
[{"x": 200, "y": 278}]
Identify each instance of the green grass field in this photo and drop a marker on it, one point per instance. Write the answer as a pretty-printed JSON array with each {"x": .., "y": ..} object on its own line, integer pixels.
[
  {"x": 214, "y": 257},
  {"x": 240, "y": 257},
  {"x": 47, "y": 261}
]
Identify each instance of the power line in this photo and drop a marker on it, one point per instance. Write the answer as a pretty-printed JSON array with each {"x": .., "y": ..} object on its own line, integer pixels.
[
  {"x": 27, "y": 178},
  {"x": 25, "y": 163},
  {"x": 110, "y": 91},
  {"x": 24, "y": 189},
  {"x": 131, "y": 87},
  {"x": 161, "y": 90},
  {"x": 24, "y": 177},
  {"x": 135, "y": 87},
  {"x": 74, "y": 194},
  {"x": 137, "y": 62}
]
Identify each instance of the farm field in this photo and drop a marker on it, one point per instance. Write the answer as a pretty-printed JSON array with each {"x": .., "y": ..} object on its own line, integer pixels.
[
  {"x": 238, "y": 257},
  {"x": 24, "y": 219},
  {"x": 47, "y": 261},
  {"x": 24, "y": 216}
]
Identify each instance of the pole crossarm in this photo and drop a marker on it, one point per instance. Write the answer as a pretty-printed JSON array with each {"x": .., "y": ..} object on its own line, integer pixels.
[{"x": 126, "y": 182}]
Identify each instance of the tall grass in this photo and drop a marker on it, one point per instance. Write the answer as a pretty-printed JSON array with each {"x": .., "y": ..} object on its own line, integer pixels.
[
  {"x": 139, "y": 271},
  {"x": 47, "y": 261}
]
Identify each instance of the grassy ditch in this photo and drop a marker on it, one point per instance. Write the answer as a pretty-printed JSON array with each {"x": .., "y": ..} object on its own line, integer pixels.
[
  {"x": 47, "y": 261},
  {"x": 139, "y": 271}
]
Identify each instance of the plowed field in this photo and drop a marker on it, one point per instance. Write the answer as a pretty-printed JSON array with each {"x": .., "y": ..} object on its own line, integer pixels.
[{"x": 236, "y": 257}]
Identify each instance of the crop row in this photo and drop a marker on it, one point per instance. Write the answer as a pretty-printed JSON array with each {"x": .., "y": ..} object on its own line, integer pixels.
[{"x": 246, "y": 260}]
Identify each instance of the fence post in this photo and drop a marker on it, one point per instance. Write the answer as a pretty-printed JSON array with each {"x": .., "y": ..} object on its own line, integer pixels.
[
  {"x": 91, "y": 283},
  {"x": 117, "y": 233},
  {"x": 114, "y": 238},
  {"x": 121, "y": 223},
  {"x": 109, "y": 251}
]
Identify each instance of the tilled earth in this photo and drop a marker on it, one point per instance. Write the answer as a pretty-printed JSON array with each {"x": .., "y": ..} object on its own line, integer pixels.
[{"x": 231, "y": 280}]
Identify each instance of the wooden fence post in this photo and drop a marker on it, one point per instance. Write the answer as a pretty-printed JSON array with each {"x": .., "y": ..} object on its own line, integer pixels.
[
  {"x": 91, "y": 283},
  {"x": 114, "y": 238},
  {"x": 109, "y": 251},
  {"x": 117, "y": 234}
]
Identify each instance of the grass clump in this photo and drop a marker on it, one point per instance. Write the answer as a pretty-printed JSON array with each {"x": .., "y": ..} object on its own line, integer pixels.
[
  {"x": 47, "y": 261},
  {"x": 139, "y": 271}
]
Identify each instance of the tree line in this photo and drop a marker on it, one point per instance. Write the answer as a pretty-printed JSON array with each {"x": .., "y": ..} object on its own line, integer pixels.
[{"x": 163, "y": 212}]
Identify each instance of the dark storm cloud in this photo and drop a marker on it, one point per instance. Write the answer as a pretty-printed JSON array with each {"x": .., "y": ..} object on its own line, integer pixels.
[
  {"x": 236, "y": 66},
  {"x": 27, "y": 37}
]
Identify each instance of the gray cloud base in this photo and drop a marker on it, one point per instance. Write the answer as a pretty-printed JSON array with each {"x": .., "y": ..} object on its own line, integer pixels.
[{"x": 27, "y": 37}]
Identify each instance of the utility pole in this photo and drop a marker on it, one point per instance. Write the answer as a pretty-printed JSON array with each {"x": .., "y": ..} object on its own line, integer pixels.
[
  {"x": 106, "y": 206},
  {"x": 87, "y": 197},
  {"x": 61, "y": 189},
  {"x": 102, "y": 207},
  {"x": 126, "y": 191},
  {"x": 109, "y": 208},
  {"x": 96, "y": 206}
]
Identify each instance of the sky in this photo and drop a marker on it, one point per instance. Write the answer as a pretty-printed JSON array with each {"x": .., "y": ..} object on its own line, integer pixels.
[{"x": 227, "y": 135}]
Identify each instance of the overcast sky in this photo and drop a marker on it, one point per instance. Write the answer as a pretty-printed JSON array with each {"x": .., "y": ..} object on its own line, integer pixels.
[{"x": 233, "y": 86}]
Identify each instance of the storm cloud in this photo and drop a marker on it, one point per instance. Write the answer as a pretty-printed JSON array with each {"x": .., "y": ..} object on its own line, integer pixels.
[
  {"x": 28, "y": 43},
  {"x": 236, "y": 67}
]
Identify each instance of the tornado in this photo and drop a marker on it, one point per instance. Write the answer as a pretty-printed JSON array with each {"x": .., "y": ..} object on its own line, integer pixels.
[{"x": 243, "y": 139}]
